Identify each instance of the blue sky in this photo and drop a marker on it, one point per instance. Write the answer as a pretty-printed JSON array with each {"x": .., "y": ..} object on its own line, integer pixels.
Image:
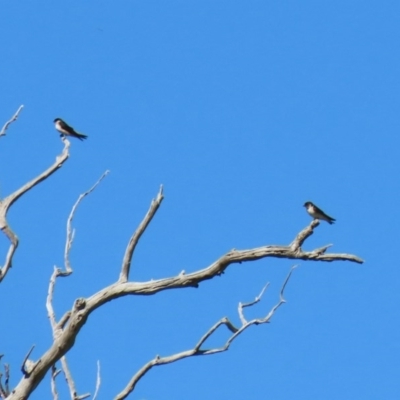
[{"x": 243, "y": 111}]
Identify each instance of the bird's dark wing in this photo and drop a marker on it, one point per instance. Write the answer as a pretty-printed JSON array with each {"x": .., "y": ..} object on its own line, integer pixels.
[
  {"x": 319, "y": 211},
  {"x": 65, "y": 126}
]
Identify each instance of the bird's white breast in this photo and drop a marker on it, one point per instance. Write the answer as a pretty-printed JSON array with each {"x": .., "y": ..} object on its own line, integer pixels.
[{"x": 311, "y": 211}]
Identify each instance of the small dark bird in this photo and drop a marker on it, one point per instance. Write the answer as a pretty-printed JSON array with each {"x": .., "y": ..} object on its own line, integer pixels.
[
  {"x": 317, "y": 213},
  {"x": 67, "y": 130}
]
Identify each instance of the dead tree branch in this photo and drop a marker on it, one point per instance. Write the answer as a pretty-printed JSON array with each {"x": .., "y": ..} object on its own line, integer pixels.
[
  {"x": 13, "y": 197},
  {"x": 5, "y": 390},
  {"x": 256, "y": 300},
  {"x": 98, "y": 381},
  {"x": 10, "y": 121},
  {"x": 71, "y": 232},
  {"x": 70, "y": 382},
  {"x": 126, "y": 263},
  {"x": 58, "y": 327},
  {"x": 197, "y": 350},
  {"x": 72, "y": 322},
  {"x": 28, "y": 366},
  {"x": 54, "y": 373}
]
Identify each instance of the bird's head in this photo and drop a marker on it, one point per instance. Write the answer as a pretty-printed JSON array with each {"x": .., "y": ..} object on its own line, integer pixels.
[
  {"x": 307, "y": 204},
  {"x": 57, "y": 119}
]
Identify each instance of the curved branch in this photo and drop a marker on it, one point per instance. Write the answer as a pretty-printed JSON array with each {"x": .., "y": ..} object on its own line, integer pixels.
[
  {"x": 75, "y": 319},
  {"x": 9, "y": 122},
  {"x": 70, "y": 382},
  {"x": 70, "y": 232},
  {"x": 98, "y": 381},
  {"x": 126, "y": 263},
  {"x": 197, "y": 351},
  {"x": 13, "y": 197},
  {"x": 54, "y": 373},
  {"x": 57, "y": 328}
]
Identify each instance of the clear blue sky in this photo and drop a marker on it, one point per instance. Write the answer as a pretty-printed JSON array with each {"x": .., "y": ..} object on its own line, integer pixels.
[{"x": 243, "y": 111}]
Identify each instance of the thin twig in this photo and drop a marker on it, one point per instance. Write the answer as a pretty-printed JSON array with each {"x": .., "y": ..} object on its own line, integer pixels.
[
  {"x": 7, "y": 378},
  {"x": 6, "y": 203},
  {"x": 197, "y": 351},
  {"x": 256, "y": 300},
  {"x": 70, "y": 382},
  {"x": 49, "y": 300},
  {"x": 71, "y": 232},
  {"x": 3, "y": 392},
  {"x": 9, "y": 122},
  {"x": 28, "y": 366},
  {"x": 54, "y": 373},
  {"x": 98, "y": 381},
  {"x": 68, "y": 378},
  {"x": 57, "y": 328}
]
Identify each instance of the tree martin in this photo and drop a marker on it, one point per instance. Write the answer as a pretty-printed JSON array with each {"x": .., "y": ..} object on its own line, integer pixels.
[
  {"x": 67, "y": 130},
  {"x": 317, "y": 213}
]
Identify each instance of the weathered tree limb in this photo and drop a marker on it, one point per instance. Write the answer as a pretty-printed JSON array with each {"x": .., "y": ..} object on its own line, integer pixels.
[
  {"x": 126, "y": 263},
  {"x": 71, "y": 232},
  {"x": 72, "y": 322},
  {"x": 197, "y": 349},
  {"x": 54, "y": 373},
  {"x": 98, "y": 381},
  {"x": 6, "y": 203},
  {"x": 28, "y": 366},
  {"x": 5, "y": 390},
  {"x": 10, "y": 121},
  {"x": 70, "y": 382},
  {"x": 251, "y": 303},
  {"x": 57, "y": 327}
]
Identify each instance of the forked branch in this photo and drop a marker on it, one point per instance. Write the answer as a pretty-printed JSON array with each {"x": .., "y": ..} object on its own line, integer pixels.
[
  {"x": 197, "y": 349},
  {"x": 13, "y": 197},
  {"x": 70, "y": 231},
  {"x": 69, "y": 326},
  {"x": 57, "y": 328}
]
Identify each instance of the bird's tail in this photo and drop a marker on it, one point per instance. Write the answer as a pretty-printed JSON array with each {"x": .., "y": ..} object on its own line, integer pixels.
[{"x": 81, "y": 136}]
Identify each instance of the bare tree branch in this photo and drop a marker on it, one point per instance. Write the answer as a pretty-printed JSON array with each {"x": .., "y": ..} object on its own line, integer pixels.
[
  {"x": 126, "y": 264},
  {"x": 28, "y": 366},
  {"x": 70, "y": 232},
  {"x": 98, "y": 381},
  {"x": 54, "y": 373},
  {"x": 256, "y": 300},
  {"x": 5, "y": 390},
  {"x": 9, "y": 122},
  {"x": 196, "y": 351},
  {"x": 57, "y": 328},
  {"x": 3, "y": 393},
  {"x": 70, "y": 381},
  {"x": 75, "y": 319},
  {"x": 13, "y": 197},
  {"x": 49, "y": 301},
  {"x": 7, "y": 380}
]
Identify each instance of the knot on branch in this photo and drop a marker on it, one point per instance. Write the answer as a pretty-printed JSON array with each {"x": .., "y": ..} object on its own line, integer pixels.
[{"x": 79, "y": 304}]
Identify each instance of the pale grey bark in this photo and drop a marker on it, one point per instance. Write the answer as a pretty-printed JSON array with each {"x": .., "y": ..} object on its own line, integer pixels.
[
  {"x": 70, "y": 324},
  {"x": 10, "y": 121},
  {"x": 7, "y": 202},
  {"x": 67, "y": 328},
  {"x": 197, "y": 349}
]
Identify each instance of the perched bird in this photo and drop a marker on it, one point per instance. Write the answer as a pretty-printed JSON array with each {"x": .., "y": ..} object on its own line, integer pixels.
[
  {"x": 317, "y": 213},
  {"x": 67, "y": 130}
]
